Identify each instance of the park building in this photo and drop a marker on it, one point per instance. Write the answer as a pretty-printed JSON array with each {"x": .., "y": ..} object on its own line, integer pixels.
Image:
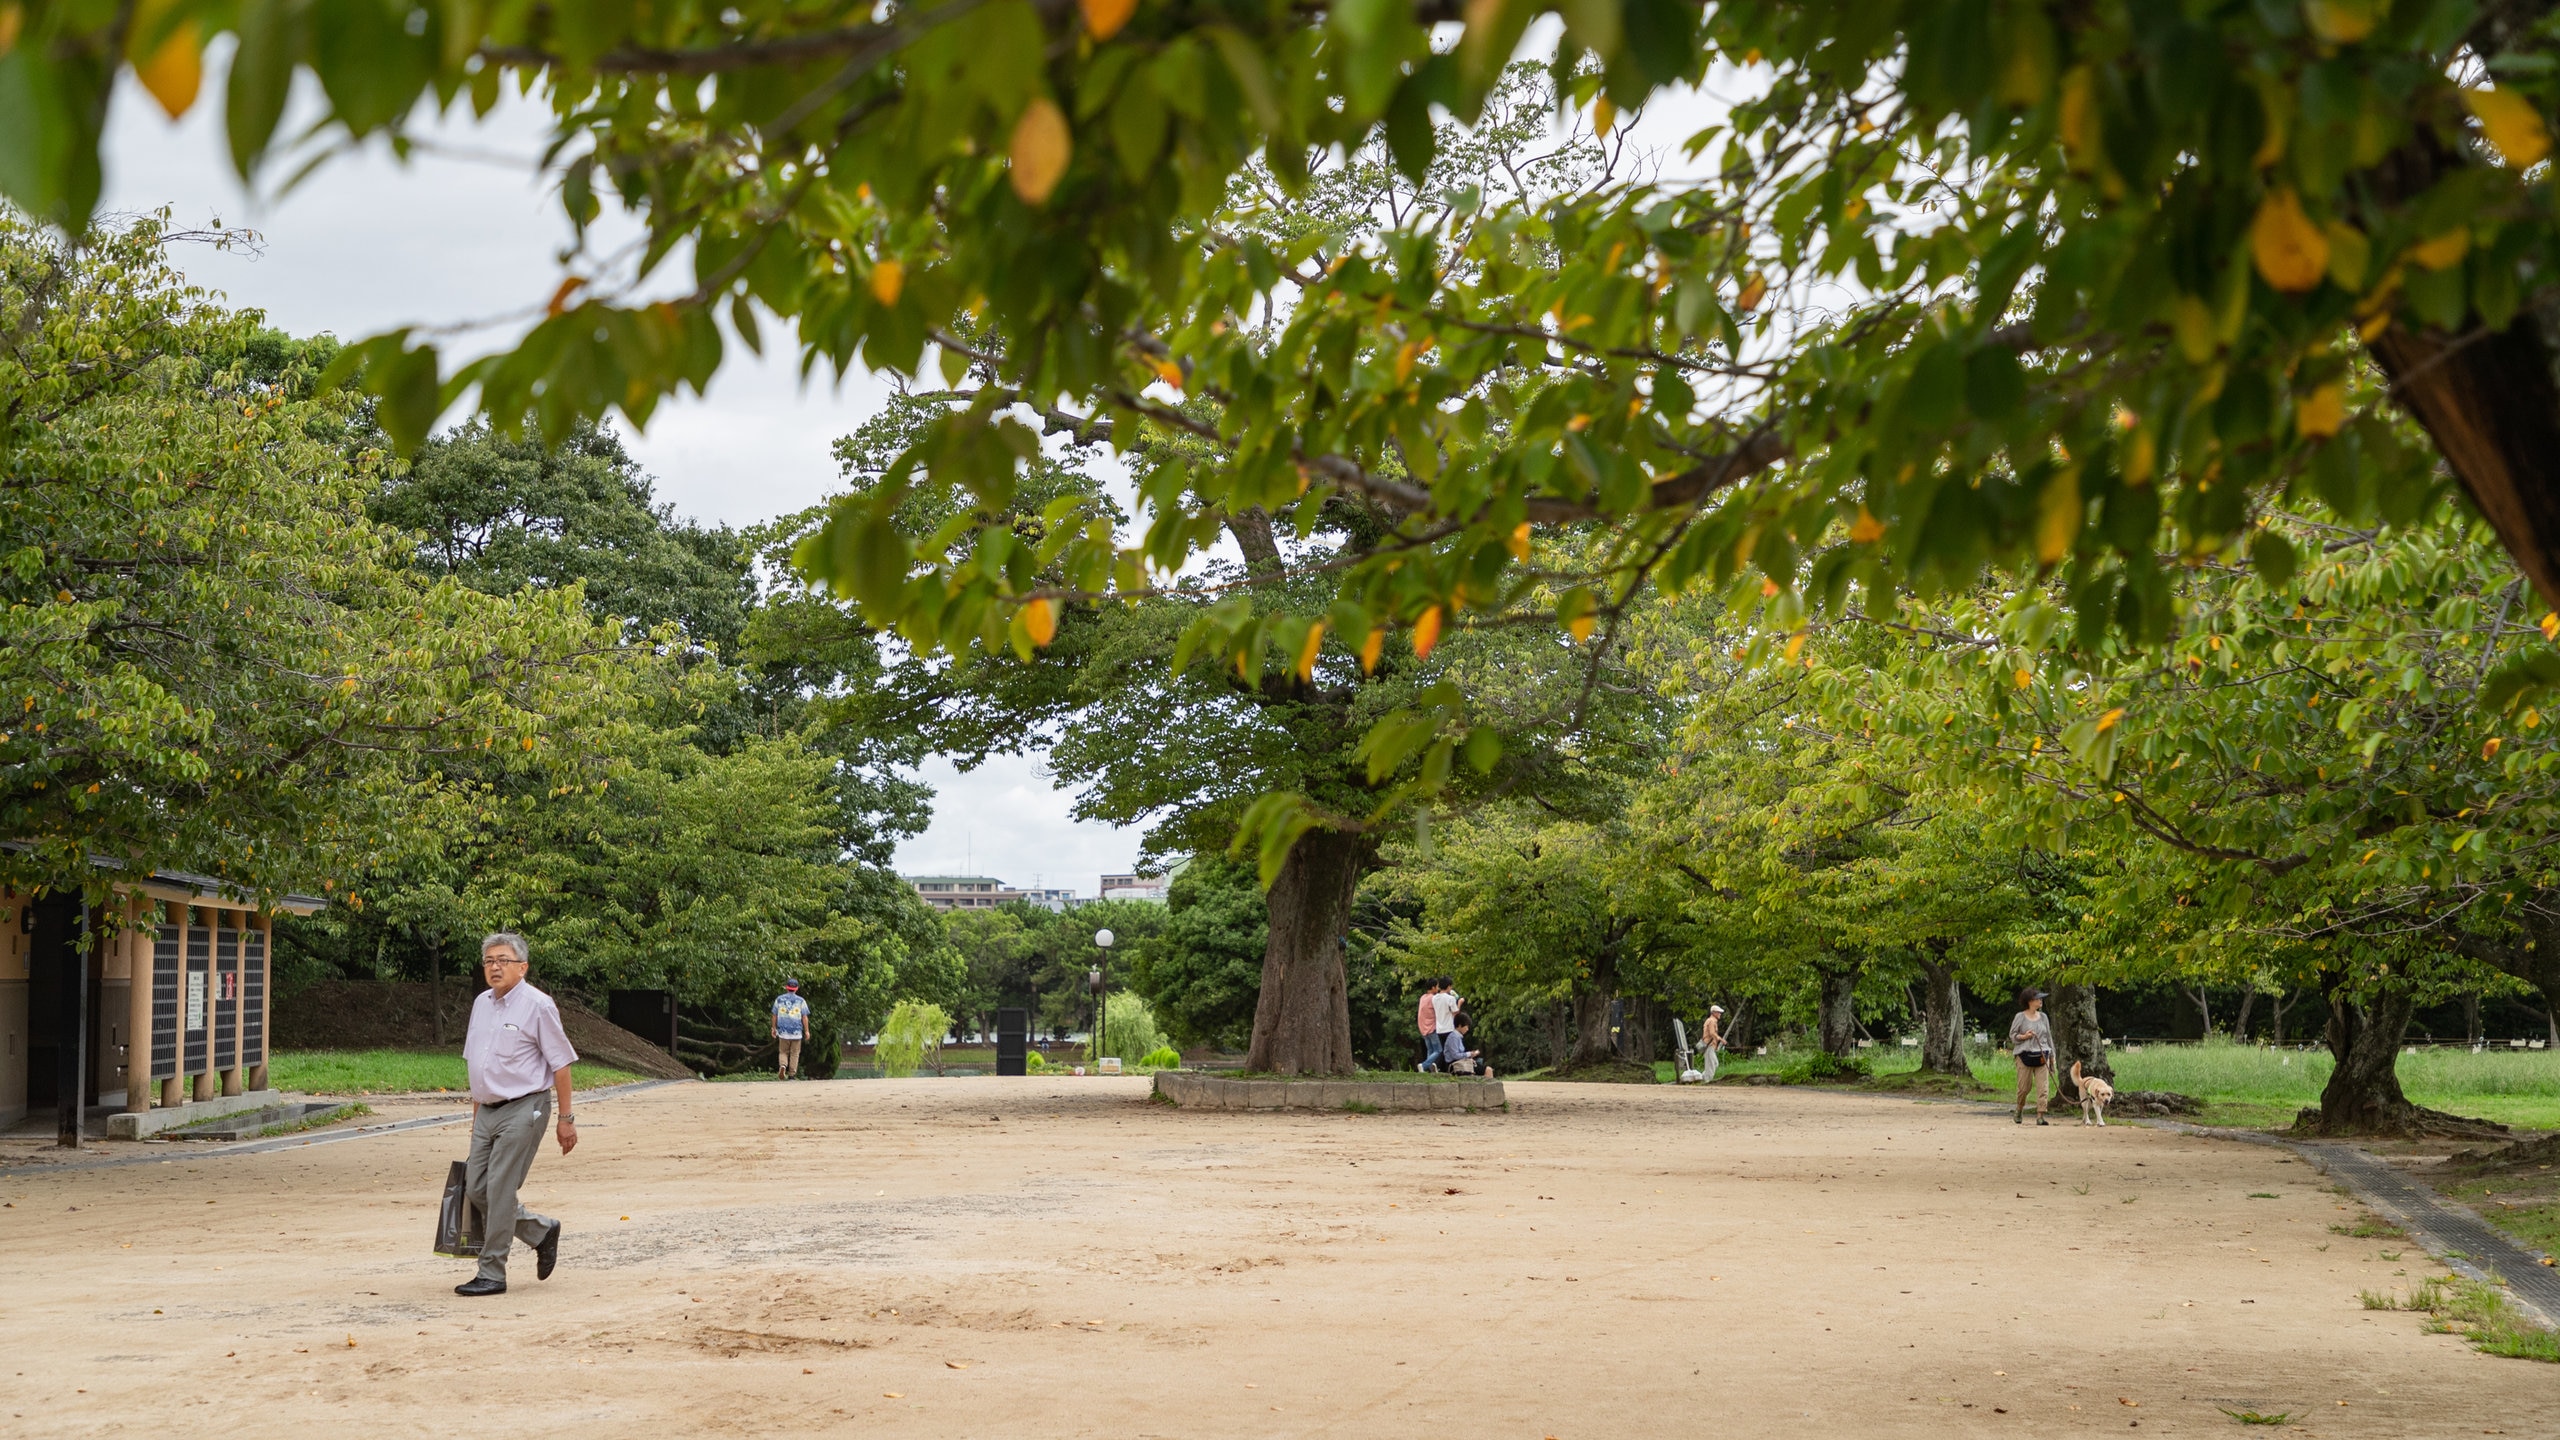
[{"x": 153, "y": 1007}]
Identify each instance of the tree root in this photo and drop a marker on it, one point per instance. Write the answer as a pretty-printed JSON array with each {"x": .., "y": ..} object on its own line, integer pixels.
[
  {"x": 2400, "y": 1122},
  {"x": 2535, "y": 1154}
]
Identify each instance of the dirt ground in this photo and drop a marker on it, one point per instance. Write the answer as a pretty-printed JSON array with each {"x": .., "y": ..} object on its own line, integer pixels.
[{"x": 1061, "y": 1257}]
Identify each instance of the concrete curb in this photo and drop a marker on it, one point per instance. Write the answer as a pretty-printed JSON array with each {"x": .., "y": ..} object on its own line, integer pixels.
[
  {"x": 1193, "y": 1091},
  {"x": 141, "y": 1124}
]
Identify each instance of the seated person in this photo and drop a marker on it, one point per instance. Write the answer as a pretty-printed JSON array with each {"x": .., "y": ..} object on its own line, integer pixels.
[{"x": 1455, "y": 1057}]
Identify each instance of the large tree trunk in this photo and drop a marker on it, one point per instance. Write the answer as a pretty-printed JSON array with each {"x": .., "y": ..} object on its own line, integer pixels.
[
  {"x": 2204, "y": 1007},
  {"x": 2240, "y": 1022},
  {"x": 1837, "y": 1021},
  {"x": 1302, "y": 1022},
  {"x": 2276, "y": 1006},
  {"x": 2073, "y": 1009},
  {"x": 2363, "y": 1096},
  {"x": 1592, "y": 1042},
  {"x": 1942, "y": 1018},
  {"x": 2490, "y": 405},
  {"x": 2471, "y": 1019}
]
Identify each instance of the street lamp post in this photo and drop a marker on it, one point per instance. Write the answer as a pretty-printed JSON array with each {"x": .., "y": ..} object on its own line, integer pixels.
[{"x": 1102, "y": 941}]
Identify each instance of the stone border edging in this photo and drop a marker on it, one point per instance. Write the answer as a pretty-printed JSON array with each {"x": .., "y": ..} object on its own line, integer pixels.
[{"x": 1193, "y": 1091}]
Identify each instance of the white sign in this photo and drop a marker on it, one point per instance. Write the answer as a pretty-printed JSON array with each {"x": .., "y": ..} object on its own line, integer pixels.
[
  {"x": 1110, "y": 1064},
  {"x": 195, "y": 999}
]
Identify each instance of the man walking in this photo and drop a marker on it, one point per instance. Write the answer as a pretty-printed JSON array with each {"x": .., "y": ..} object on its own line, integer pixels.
[
  {"x": 518, "y": 1059},
  {"x": 790, "y": 1027},
  {"x": 1427, "y": 1019}
]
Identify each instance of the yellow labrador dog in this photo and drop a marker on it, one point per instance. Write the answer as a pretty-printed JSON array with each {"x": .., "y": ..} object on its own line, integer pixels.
[{"x": 2094, "y": 1095}]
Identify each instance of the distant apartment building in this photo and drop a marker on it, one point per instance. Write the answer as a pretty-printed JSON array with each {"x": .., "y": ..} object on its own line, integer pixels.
[
  {"x": 984, "y": 892},
  {"x": 1142, "y": 887}
]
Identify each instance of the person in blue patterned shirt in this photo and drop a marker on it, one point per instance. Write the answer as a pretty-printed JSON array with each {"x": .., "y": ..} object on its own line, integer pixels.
[{"x": 790, "y": 1027}]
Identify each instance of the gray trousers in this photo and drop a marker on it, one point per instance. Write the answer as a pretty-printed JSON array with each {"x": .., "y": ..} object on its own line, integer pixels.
[{"x": 503, "y": 1141}]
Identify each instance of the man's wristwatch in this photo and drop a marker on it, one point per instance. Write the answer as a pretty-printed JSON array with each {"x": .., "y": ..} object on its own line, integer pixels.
[{"x": 568, "y": 1119}]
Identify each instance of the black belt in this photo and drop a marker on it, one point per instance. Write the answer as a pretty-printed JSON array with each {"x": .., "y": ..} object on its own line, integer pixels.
[{"x": 510, "y": 1100}]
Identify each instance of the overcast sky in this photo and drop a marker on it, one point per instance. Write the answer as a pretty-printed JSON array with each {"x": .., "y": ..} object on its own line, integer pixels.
[{"x": 369, "y": 244}]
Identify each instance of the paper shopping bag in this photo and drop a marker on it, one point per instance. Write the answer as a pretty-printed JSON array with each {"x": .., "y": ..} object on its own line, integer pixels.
[{"x": 458, "y": 1221}]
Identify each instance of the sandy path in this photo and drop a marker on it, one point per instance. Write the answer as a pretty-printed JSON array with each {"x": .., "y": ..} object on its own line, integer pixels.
[{"x": 1612, "y": 1262}]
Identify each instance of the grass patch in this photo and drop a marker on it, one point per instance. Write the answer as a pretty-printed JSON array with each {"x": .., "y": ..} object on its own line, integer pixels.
[
  {"x": 2526, "y": 1206},
  {"x": 1359, "y": 1107},
  {"x": 2477, "y": 1313},
  {"x": 393, "y": 1072},
  {"x": 2256, "y": 1417},
  {"x": 2371, "y": 1227},
  {"x": 296, "y": 1127}
]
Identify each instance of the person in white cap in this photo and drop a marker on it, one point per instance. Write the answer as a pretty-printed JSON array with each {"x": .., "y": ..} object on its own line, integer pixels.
[{"x": 1710, "y": 1040}]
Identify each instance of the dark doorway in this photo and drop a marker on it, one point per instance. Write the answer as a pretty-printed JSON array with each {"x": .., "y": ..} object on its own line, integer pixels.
[{"x": 62, "y": 998}]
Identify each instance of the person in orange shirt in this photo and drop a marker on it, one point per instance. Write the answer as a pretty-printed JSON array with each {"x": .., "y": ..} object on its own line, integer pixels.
[{"x": 1428, "y": 1019}]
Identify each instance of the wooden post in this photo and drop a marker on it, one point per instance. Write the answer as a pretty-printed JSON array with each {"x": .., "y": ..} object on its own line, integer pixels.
[
  {"x": 138, "y": 943},
  {"x": 231, "y": 1002},
  {"x": 266, "y": 998}
]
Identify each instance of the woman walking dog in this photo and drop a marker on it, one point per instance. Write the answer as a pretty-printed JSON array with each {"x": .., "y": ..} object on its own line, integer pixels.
[{"x": 2031, "y": 1042}]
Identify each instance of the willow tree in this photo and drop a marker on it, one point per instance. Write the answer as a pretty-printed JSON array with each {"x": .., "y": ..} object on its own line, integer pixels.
[{"x": 2107, "y": 266}]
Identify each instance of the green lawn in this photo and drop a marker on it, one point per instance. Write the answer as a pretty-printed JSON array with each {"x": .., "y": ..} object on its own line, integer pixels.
[
  {"x": 378, "y": 1072},
  {"x": 2253, "y": 1086}
]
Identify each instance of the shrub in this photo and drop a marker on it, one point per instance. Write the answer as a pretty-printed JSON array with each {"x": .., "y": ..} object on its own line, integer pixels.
[
  {"x": 1163, "y": 1057},
  {"x": 1129, "y": 1029},
  {"x": 1035, "y": 1062},
  {"x": 911, "y": 1037}
]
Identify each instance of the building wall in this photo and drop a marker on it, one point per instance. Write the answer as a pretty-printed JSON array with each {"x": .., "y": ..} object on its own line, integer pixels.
[
  {"x": 13, "y": 1013},
  {"x": 13, "y": 1050}
]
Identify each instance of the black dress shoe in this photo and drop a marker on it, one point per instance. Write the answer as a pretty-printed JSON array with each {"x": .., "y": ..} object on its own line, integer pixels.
[
  {"x": 547, "y": 1254},
  {"x": 476, "y": 1286}
]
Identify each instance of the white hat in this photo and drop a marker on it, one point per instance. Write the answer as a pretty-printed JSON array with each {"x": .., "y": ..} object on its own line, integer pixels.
[{"x": 1715, "y": 1009}]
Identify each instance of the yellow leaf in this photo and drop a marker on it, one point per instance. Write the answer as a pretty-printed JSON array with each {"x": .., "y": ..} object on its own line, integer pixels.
[
  {"x": 2373, "y": 327},
  {"x": 2349, "y": 254},
  {"x": 2342, "y": 22},
  {"x": 560, "y": 297},
  {"x": 1169, "y": 372},
  {"x": 2108, "y": 721},
  {"x": 2291, "y": 252},
  {"x": 1426, "y": 633},
  {"x": 1040, "y": 620},
  {"x": 527, "y": 743},
  {"x": 1865, "y": 528},
  {"x": 1307, "y": 651},
  {"x": 888, "y": 278},
  {"x": 2058, "y": 516},
  {"x": 2191, "y": 320},
  {"x": 1582, "y": 625},
  {"x": 2322, "y": 412},
  {"x": 11, "y": 18},
  {"x": 2442, "y": 251},
  {"x": 1103, "y": 18},
  {"x": 1520, "y": 541},
  {"x": 1795, "y": 645},
  {"x": 1604, "y": 116},
  {"x": 2513, "y": 126},
  {"x": 1369, "y": 648},
  {"x": 2490, "y": 750},
  {"x": 1578, "y": 424},
  {"x": 2024, "y": 677},
  {"x": 175, "y": 71},
  {"x": 2079, "y": 120},
  {"x": 2550, "y": 631},
  {"x": 1041, "y": 147},
  {"x": 1753, "y": 290}
]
